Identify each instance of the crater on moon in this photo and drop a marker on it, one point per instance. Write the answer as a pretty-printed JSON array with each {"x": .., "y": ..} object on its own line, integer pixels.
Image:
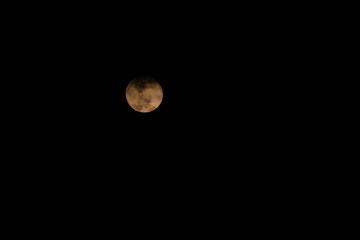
[{"x": 144, "y": 94}]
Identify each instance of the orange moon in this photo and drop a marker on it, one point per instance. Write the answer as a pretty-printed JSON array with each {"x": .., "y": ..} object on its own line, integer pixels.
[{"x": 144, "y": 94}]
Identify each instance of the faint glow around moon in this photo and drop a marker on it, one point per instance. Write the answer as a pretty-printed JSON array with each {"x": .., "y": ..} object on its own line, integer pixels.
[{"x": 144, "y": 94}]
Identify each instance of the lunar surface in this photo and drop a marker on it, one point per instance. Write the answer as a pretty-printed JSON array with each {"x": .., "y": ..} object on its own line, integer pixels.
[{"x": 144, "y": 94}]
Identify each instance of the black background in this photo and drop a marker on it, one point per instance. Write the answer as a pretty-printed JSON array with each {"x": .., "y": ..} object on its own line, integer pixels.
[{"x": 226, "y": 125}]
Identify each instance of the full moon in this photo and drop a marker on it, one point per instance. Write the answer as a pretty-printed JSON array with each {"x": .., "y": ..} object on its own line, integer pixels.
[{"x": 144, "y": 94}]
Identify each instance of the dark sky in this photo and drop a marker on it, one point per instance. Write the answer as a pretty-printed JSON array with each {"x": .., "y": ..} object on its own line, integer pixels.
[{"x": 225, "y": 112}]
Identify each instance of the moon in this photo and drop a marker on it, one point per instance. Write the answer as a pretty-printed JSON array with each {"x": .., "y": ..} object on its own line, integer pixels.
[{"x": 144, "y": 94}]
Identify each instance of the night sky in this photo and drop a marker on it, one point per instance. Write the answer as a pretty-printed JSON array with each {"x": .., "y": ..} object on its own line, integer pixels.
[
  {"x": 222, "y": 83},
  {"x": 226, "y": 123}
]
